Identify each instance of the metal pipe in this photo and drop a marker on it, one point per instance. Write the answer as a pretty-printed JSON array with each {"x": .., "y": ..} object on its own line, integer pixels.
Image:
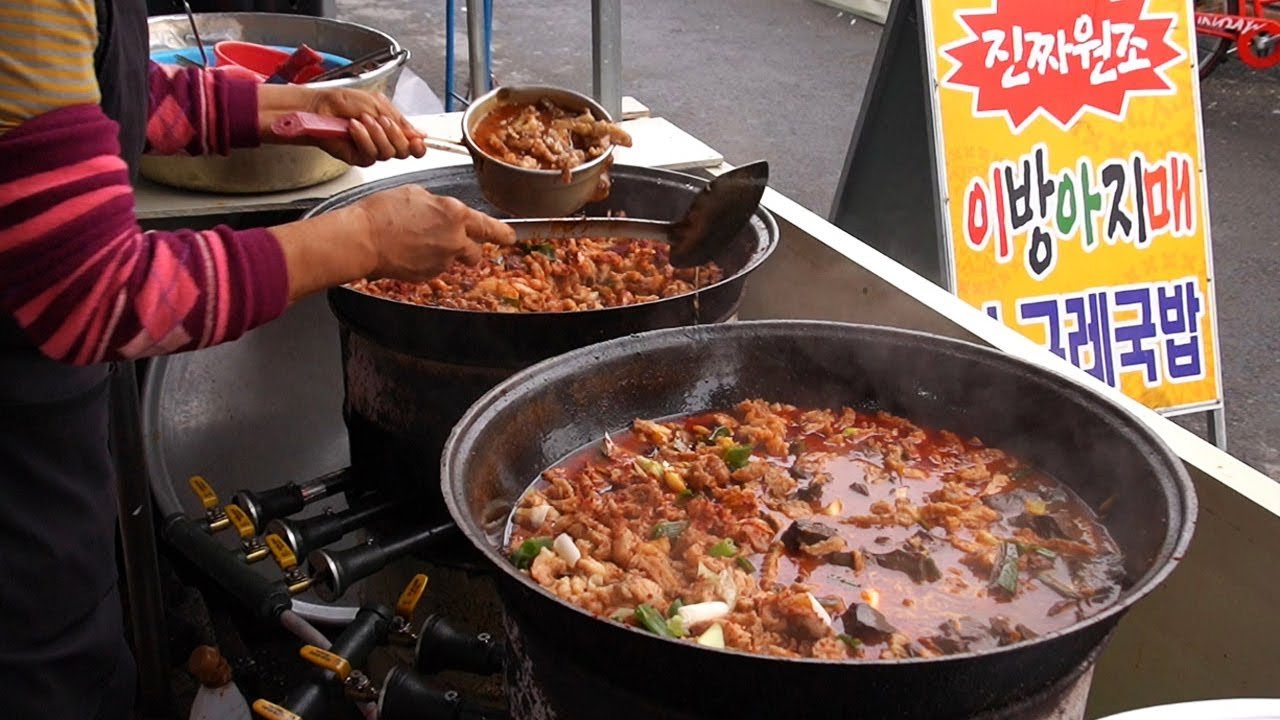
[
  {"x": 475, "y": 48},
  {"x": 450, "y": 10},
  {"x": 264, "y": 506},
  {"x": 138, "y": 542},
  {"x": 606, "y": 55},
  {"x": 335, "y": 570},
  {"x": 488, "y": 42},
  {"x": 313, "y": 533},
  {"x": 406, "y": 696},
  {"x": 442, "y": 645},
  {"x": 265, "y": 598},
  {"x": 305, "y": 631},
  {"x": 313, "y": 699}
]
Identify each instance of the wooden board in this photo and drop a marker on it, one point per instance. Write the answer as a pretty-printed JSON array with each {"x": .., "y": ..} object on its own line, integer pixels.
[{"x": 657, "y": 143}]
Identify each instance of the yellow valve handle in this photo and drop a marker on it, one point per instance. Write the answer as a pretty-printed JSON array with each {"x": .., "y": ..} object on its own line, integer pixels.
[
  {"x": 336, "y": 664},
  {"x": 280, "y": 550},
  {"x": 240, "y": 521},
  {"x": 412, "y": 594},
  {"x": 272, "y": 711},
  {"x": 204, "y": 491}
]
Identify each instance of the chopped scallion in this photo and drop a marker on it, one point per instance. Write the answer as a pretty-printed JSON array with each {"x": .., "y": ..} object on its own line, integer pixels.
[
  {"x": 1005, "y": 575},
  {"x": 720, "y": 432},
  {"x": 653, "y": 621},
  {"x": 676, "y": 627},
  {"x": 745, "y": 564},
  {"x": 853, "y": 642},
  {"x": 528, "y": 550},
  {"x": 723, "y": 549},
  {"x": 650, "y": 467},
  {"x": 738, "y": 456},
  {"x": 675, "y": 607}
]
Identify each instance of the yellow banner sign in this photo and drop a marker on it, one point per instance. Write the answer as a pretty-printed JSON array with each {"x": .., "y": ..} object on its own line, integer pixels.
[{"x": 1069, "y": 146}]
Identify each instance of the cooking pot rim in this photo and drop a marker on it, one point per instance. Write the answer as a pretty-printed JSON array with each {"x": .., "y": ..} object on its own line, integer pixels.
[
  {"x": 761, "y": 217},
  {"x": 1182, "y": 497}
]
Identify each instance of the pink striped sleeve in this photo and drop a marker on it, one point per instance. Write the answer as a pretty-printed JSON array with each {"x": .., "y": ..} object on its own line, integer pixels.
[
  {"x": 82, "y": 279},
  {"x": 200, "y": 112}
]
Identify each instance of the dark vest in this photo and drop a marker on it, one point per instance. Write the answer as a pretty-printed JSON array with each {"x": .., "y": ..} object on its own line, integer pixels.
[{"x": 62, "y": 646}]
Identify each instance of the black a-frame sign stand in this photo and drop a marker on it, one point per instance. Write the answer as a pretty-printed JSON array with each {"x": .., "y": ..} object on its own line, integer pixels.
[{"x": 888, "y": 192}]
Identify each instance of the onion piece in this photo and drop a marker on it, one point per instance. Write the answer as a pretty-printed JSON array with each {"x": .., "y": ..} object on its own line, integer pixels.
[
  {"x": 702, "y": 612},
  {"x": 713, "y": 637},
  {"x": 565, "y": 548},
  {"x": 538, "y": 514},
  {"x": 818, "y": 610}
]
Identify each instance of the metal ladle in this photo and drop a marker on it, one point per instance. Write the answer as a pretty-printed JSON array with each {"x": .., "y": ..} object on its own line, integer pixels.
[{"x": 714, "y": 217}]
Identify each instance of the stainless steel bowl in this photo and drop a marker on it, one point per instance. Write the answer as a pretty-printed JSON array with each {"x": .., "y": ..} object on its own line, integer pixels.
[
  {"x": 528, "y": 192},
  {"x": 269, "y": 168}
]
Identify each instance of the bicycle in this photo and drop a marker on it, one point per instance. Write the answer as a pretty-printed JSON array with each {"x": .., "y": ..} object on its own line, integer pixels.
[{"x": 1239, "y": 25}]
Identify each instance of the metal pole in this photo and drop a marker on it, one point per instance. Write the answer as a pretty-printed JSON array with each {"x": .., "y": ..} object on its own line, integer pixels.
[
  {"x": 1218, "y": 428},
  {"x": 138, "y": 543},
  {"x": 449, "y": 93},
  {"x": 475, "y": 48},
  {"x": 606, "y": 55}
]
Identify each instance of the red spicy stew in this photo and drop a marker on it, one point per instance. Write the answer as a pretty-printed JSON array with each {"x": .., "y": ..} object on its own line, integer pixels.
[{"x": 814, "y": 533}]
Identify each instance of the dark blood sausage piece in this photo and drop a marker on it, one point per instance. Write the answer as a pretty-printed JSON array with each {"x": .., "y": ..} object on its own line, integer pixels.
[
  {"x": 965, "y": 634},
  {"x": 806, "y": 532},
  {"x": 867, "y": 624},
  {"x": 1007, "y": 633},
  {"x": 915, "y": 562}
]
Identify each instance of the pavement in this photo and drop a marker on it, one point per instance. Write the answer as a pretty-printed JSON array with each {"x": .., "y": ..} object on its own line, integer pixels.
[{"x": 783, "y": 80}]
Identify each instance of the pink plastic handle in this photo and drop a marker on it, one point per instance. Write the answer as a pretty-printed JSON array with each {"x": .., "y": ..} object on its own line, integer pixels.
[{"x": 305, "y": 124}]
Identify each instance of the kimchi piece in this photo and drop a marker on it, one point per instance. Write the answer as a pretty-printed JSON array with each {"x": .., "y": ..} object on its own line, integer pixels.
[
  {"x": 814, "y": 533},
  {"x": 545, "y": 136},
  {"x": 554, "y": 276}
]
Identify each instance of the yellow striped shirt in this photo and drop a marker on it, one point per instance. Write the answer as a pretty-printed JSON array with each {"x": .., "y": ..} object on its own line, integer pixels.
[{"x": 46, "y": 57}]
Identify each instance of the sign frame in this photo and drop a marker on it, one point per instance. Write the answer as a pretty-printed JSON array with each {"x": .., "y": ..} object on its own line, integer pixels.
[{"x": 894, "y": 171}]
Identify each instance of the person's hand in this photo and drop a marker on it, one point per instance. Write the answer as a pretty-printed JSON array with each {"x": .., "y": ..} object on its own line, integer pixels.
[
  {"x": 416, "y": 235},
  {"x": 378, "y": 130}
]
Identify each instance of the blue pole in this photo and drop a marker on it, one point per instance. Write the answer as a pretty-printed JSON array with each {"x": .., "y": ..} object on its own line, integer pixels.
[
  {"x": 448, "y": 55},
  {"x": 488, "y": 44}
]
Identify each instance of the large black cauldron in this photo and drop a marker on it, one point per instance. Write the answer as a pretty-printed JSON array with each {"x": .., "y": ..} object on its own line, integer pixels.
[
  {"x": 411, "y": 371},
  {"x": 568, "y": 657}
]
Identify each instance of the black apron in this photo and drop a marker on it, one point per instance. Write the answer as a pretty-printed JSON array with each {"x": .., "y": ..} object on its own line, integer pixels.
[{"x": 63, "y": 654}]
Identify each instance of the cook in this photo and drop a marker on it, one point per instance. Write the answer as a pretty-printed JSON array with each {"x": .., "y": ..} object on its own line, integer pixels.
[{"x": 81, "y": 285}]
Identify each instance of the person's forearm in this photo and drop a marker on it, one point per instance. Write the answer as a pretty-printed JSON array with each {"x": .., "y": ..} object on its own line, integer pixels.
[
  {"x": 327, "y": 250},
  {"x": 192, "y": 111},
  {"x": 82, "y": 279},
  {"x": 277, "y": 100}
]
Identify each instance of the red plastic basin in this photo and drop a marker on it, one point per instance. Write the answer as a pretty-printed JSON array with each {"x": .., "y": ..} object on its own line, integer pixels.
[{"x": 259, "y": 59}]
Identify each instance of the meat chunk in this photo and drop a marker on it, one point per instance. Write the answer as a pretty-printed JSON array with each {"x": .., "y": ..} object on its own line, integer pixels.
[
  {"x": 635, "y": 590},
  {"x": 801, "y": 616}
]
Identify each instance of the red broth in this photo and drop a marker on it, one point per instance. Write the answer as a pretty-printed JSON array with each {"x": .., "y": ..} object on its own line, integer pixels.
[{"x": 913, "y": 542}]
